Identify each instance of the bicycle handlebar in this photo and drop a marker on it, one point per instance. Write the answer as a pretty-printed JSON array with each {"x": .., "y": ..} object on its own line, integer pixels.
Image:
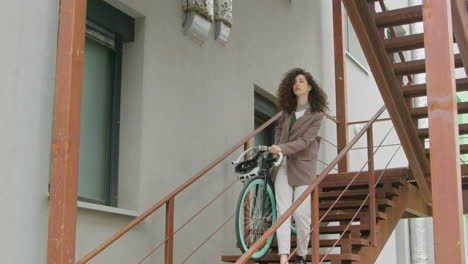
[{"x": 259, "y": 148}]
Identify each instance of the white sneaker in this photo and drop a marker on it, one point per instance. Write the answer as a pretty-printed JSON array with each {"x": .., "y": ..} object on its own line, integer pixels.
[{"x": 284, "y": 259}]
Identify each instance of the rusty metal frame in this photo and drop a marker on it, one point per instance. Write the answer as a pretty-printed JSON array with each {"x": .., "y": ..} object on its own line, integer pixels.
[
  {"x": 390, "y": 89},
  {"x": 386, "y": 227},
  {"x": 66, "y": 133},
  {"x": 447, "y": 199},
  {"x": 341, "y": 92}
]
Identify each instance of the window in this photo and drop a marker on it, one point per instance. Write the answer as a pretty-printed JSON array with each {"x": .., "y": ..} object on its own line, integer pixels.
[
  {"x": 264, "y": 110},
  {"x": 352, "y": 45},
  {"x": 100, "y": 111}
]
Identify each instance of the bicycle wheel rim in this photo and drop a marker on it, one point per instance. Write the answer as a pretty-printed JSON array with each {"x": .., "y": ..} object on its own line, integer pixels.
[{"x": 240, "y": 218}]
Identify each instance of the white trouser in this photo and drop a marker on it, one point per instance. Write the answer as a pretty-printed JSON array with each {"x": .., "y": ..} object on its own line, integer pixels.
[{"x": 285, "y": 195}]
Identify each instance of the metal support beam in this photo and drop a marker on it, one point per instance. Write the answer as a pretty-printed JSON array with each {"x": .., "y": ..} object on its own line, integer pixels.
[
  {"x": 390, "y": 89},
  {"x": 66, "y": 133},
  {"x": 447, "y": 211},
  {"x": 340, "y": 84},
  {"x": 460, "y": 29}
]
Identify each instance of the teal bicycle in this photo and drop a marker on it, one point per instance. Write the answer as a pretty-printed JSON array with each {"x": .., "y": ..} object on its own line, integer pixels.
[{"x": 256, "y": 206}]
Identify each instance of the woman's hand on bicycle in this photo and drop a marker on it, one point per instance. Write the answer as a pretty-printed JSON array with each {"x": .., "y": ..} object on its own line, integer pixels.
[{"x": 274, "y": 149}]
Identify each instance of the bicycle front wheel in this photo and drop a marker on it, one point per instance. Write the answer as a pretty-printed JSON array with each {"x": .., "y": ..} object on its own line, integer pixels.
[{"x": 255, "y": 213}]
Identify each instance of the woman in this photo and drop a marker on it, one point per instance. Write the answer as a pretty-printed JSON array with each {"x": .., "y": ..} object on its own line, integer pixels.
[{"x": 303, "y": 103}]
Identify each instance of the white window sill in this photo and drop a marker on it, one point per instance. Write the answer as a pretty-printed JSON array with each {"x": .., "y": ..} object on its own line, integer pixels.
[
  {"x": 362, "y": 67},
  {"x": 105, "y": 208}
]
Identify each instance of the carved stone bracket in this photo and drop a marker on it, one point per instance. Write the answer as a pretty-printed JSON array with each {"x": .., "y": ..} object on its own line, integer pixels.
[
  {"x": 223, "y": 12},
  {"x": 202, "y": 7}
]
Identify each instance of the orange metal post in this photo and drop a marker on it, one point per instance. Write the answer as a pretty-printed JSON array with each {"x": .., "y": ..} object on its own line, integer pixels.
[
  {"x": 315, "y": 241},
  {"x": 460, "y": 29},
  {"x": 372, "y": 200},
  {"x": 340, "y": 83},
  {"x": 247, "y": 198},
  {"x": 66, "y": 133},
  {"x": 169, "y": 247},
  {"x": 443, "y": 131}
]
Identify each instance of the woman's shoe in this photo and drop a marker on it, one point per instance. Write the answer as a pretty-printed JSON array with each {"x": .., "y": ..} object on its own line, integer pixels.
[
  {"x": 300, "y": 260},
  {"x": 284, "y": 259}
]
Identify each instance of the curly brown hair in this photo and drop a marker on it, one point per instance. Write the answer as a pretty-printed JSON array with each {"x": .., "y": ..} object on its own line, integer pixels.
[{"x": 286, "y": 99}]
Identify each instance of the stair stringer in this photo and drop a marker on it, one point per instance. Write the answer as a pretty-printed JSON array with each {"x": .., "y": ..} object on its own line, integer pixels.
[{"x": 409, "y": 199}]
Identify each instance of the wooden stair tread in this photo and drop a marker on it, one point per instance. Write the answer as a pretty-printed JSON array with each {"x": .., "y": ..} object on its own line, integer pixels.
[
  {"x": 362, "y": 183},
  {"x": 273, "y": 257},
  {"x": 353, "y": 204},
  {"x": 397, "y": 17},
  {"x": 404, "y": 43},
  {"x": 421, "y": 89},
  {"x": 336, "y": 229},
  {"x": 355, "y": 193},
  {"x": 390, "y": 174},
  {"x": 324, "y": 242},
  {"x": 424, "y": 132},
  {"x": 346, "y": 216},
  {"x": 421, "y": 112},
  {"x": 327, "y": 242},
  {"x": 418, "y": 66},
  {"x": 341, "y": 228}
]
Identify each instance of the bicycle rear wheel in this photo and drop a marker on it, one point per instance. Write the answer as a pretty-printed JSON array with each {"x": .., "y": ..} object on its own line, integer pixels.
[{"x": 255, "y": 213}]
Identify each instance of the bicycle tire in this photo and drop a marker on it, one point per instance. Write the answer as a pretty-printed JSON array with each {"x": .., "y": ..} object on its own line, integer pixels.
[{"x": 255, "y": 187}]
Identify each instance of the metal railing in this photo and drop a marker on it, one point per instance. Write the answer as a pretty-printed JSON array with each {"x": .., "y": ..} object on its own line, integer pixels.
[
  {"x": 169, "y": 203},
  {"x": 314, "y": 191}
]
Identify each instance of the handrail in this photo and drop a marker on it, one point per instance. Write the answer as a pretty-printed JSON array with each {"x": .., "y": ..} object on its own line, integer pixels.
[
  {"x": 333, "y": 119},
  {"x": 169, "y": 199},
  {"x": 312, "y": 188},
  {"x": 365, "y": 121}
]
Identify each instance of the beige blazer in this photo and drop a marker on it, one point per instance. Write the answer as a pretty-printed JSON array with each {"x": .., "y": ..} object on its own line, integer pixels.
[{"x": 300, "y": 146}]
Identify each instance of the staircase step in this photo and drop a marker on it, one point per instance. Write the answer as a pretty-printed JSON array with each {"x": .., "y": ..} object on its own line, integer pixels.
[
  {"x": 353, "y": 204},
  {"x": 362, "y": 181},
  {"x": 463, "y": 149},
  {"x": 424, "y": 132},
  {"x": 327, "y": 242},
  {"x": 363, "y": 184},
  {"x": 419, "y": 66},
  {"x": 410, "y": 42},
  {"x": 274, "y": 258},
  {"x": 389, "y": 175},
  {"x": 332, "y": 195},
  {"x": 397, "y": 17},
  {"x": 347, "y": 216},
  {"x": 341, "y": 228},
  {"x": 421, "y": 89},
  {"x": 421, "y": 112}
]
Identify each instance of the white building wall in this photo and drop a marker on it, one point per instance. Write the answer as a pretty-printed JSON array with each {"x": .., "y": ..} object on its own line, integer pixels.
[{"x": 27, "y": 77}]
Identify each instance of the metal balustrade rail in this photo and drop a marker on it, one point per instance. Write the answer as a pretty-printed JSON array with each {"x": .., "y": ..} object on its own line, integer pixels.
[
  {"x": 314, "y": 191},
  {"x": 169, "y": 202}
]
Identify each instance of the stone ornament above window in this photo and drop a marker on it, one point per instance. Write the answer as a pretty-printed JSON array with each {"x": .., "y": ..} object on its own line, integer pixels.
[
  {"x": 203, "y": 7},
  {"x": 223, "y": 12}
]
